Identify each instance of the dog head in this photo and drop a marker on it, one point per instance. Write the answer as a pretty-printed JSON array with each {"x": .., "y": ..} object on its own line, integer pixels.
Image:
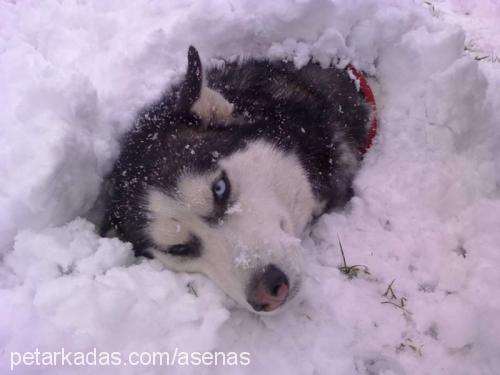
[{"x": 231, "y": 207}]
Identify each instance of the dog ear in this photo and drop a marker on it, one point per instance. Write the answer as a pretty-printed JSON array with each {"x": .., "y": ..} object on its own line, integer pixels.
[
  {"x": 191, "y": 87},
  {"x": 198, "y": 99}
]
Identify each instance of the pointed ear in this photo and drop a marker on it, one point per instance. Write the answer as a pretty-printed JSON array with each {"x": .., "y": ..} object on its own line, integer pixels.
[{"x": 191, "y": 88}]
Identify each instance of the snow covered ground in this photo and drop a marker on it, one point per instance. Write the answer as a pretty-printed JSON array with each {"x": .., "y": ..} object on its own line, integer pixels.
[{"x": 425, "y": 220}]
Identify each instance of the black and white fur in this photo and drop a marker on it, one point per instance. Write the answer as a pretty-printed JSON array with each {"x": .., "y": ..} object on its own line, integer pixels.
[{"x": 224, "y": 172}]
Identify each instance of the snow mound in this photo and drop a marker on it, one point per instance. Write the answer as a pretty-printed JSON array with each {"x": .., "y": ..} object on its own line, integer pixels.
[
  {"x": 422, "y": 228},
  {"x": 82, "y": 291}
]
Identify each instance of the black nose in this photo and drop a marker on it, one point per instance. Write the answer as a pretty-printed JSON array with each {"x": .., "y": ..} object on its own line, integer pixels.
[
  {"x": 269, "y": 289},
  {"x": 273, "y": 279}
]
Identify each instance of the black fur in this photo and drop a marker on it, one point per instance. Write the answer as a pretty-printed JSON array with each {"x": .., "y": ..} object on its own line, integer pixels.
[
  {"x": 313, "y": 112},
  {"x": 190, "y": 90}
]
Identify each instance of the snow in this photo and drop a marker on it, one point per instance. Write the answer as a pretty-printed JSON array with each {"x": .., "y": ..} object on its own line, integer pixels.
[{"x": 426, "y": 214}]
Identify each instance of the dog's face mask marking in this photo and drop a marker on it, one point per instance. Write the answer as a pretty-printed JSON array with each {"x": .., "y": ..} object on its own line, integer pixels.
[{"x": 238, "y": 224}]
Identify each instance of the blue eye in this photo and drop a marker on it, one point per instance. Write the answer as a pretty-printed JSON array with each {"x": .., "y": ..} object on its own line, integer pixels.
[{"x": 221, "y": 189}]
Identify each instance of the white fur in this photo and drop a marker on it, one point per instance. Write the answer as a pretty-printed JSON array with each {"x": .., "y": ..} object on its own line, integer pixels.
[
  {"x": 212, "y": 106},
  {"x": 272, "y": 202}
]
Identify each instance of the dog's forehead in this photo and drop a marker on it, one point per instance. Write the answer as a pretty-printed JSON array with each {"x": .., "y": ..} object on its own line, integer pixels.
[
  {"x": 171, "y": 220},
  {"x": 258, "y": 165},
  {"x": 262, "y": 164},
  {"x": 194, "y": 190},
  {"x": 192, "y": 194}
]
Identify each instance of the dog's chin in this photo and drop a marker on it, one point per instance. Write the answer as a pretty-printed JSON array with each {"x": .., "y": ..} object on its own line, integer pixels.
[
  {"x": 277, "y": 311},
  {"x": 274, "y": 312}
]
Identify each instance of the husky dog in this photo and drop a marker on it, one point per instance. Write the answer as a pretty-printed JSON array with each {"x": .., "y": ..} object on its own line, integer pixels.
[{"x": 223, "y": 173}]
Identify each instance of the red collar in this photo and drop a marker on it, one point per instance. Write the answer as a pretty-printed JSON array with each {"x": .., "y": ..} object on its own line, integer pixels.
[{"x": 370, "y": 99}]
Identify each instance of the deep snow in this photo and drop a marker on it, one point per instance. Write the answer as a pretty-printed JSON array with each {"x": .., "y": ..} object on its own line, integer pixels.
[{"x": 426, "y": 214}]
